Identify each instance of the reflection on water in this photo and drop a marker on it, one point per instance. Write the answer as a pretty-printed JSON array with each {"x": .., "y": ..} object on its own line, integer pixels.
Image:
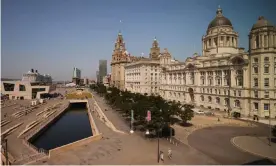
[{"x": 73, "y": 125}]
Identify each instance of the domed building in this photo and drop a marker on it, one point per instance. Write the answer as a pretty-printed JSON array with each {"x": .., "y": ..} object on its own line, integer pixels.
[{"x": 225, "y": 77}]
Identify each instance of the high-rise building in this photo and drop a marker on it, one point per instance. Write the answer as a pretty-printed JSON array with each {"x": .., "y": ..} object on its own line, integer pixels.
[
  {"x": 97, "y": 77},
  {"x": 76, "y": 76},
  {"x": 102, "y": 70}
]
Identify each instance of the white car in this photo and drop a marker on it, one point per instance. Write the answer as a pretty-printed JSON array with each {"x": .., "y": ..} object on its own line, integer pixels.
[{"x": 200, "y": 112}]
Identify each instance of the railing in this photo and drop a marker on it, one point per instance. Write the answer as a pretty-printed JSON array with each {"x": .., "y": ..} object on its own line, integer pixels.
[{"x": 39, "y": 152}]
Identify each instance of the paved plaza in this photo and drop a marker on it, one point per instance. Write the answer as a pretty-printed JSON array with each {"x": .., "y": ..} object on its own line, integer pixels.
[{"x": 206, "y": 141}]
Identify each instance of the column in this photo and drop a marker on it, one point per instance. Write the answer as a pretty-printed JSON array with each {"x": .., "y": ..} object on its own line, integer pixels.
[
  {"x": 246, "y": 78},
  {"x": 233, "y": 80},
  {"x": 214, "y": 78},
  {"x": 224, "y": 41},
  {"x": 263, "y": 41},
  {"x": 222, "y": 78}
]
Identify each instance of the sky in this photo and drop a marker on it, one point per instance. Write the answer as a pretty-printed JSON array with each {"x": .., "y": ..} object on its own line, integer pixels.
[{"x": 54, "y": 36}]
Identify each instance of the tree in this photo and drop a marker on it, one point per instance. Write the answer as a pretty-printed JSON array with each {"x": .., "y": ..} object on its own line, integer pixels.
[{"x": 186, "y": 113}]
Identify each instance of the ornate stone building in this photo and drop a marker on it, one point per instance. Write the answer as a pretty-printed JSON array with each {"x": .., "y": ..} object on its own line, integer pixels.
[
  {"x": 120, "y": 58},
  {"x": 226, "y": 77},
  {"x": 142, "y": 76}
]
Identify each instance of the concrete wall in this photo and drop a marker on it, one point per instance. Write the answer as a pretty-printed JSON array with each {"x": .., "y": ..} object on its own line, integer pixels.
[
  {"x": 74, "y": 144},
  {"x": 27, "y": 94}
]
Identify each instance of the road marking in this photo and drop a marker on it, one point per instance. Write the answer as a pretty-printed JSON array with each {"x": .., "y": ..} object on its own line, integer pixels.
[{"x": 244, "y": 150}]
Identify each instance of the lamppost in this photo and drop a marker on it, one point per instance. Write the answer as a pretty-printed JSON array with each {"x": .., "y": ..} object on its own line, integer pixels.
[
  {"x": 158, "y": 131},
  {"x": 131, "y": 122}
]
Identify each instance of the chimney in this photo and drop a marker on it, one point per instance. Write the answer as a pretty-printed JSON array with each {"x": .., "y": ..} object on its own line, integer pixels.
[
  {"x": 32, "y": 70},
  {"x": 36, "y": 71}
]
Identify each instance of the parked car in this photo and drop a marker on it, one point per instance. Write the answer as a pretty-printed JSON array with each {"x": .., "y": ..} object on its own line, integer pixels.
[
  {"x": 199, "y": 112},
  {"x": 209, "y": 113}
]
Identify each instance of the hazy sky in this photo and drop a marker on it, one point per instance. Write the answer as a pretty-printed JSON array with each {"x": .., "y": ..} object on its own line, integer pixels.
[{"x": 54, "y": 36}]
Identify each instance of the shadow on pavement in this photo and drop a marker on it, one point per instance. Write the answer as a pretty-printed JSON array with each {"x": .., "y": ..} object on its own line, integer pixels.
[
  {"x": 272, "y": 140},
  {"x": 185, "y": 124},
  {"x": 261, "y": 162}
]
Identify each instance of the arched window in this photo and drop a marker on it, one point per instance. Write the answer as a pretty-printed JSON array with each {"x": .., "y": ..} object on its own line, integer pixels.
[
  {"x": 217, "y": 100},
  {"x": 202, "y": 98},
  {"x": 226, "y": 101},
  {"x": 210, "y": 99}
]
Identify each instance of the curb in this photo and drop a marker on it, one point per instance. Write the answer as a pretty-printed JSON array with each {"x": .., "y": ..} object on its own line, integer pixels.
[{"x": 247, "y": 151}]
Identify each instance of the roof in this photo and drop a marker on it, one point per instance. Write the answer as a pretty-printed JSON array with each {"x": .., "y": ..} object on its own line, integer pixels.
[
  {"x": 261, "y": 22},
  {"x": 219, "y": 20}
]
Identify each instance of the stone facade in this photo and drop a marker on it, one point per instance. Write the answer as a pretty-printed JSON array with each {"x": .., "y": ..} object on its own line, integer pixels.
[{"x": 225, "y": 77}]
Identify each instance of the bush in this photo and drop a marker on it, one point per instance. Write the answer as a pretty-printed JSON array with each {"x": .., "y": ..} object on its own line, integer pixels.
[{"x": 236, "y": 115}]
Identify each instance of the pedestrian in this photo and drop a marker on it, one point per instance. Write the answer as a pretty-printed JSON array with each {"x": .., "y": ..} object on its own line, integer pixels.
[
  {"x": 170, "y": 153},
  {"x": 162, "y": 156}
]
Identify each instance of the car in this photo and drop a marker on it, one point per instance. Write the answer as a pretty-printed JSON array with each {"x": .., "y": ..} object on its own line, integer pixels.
[
  {"x": 197, "y": 111},
  {"x": 200, "y": 112},
  {"x": 209, "y": 113}
]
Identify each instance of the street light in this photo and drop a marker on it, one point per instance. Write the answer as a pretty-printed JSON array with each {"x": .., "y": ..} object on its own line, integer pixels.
[
  {"x": 158, "y": 130},
  {"x": 131, "y": 122}
]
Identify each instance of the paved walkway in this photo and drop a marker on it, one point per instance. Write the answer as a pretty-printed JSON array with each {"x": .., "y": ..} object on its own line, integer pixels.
[
  {"x": 264, "y": 121},
  {"x": 258, "y": 146}
]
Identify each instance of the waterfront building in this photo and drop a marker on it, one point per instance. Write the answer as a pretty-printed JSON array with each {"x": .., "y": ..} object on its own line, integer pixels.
[
  {"x": 106, "y": 80},
  {"x": 225, "y": 77},
  {"x": 31, "y": 86},
  {"x": 120, "y": 58},
  {"x": 142, "y": 76},
  {"x": 102, "y": 69}
]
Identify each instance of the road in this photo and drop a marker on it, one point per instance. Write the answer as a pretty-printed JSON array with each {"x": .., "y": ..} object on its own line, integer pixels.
[{"x": 215, "y": 142}]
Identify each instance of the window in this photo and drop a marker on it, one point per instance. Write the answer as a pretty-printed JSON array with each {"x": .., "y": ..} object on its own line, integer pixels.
[
  {"x": 218, "y": 81},
  {"x": 256, "y": 94},
  {"x": 202, "y": 98},
  {"x": 240, "y": 81},
  {"x": 237, "y": 103},
  {"x": 255, "y": 82},
  {"x": 226, "y": 101},
  {"x": 217, "y": 100},
  {"x": 8, "y": 87},
  {"x": 210, "y": 99},
  {"x": 216, "y": 91},
  {"x": 266, "y": 59},
  {"x": 266, "y": 106},
  {"x": 256, "y": 60},
  {"x": 266, "y": 82},
  {"x": 275, "y": 69},
  {"x": 239, "y": 92},
  {"x": 275, "y": 82},
  {"x": 266, "y": 69},
  {"x": 256, "y": 106},
  {"x": 256, "y": 70},
  {"x": 22, "y": 88},
  {"x": 219, "y": 91},
  {"x": 224, "y": 92},
  {"x": 266, "y": 94}
]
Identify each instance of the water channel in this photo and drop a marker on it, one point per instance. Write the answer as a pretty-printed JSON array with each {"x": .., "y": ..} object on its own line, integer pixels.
[{"x": 72, "y": 126}]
